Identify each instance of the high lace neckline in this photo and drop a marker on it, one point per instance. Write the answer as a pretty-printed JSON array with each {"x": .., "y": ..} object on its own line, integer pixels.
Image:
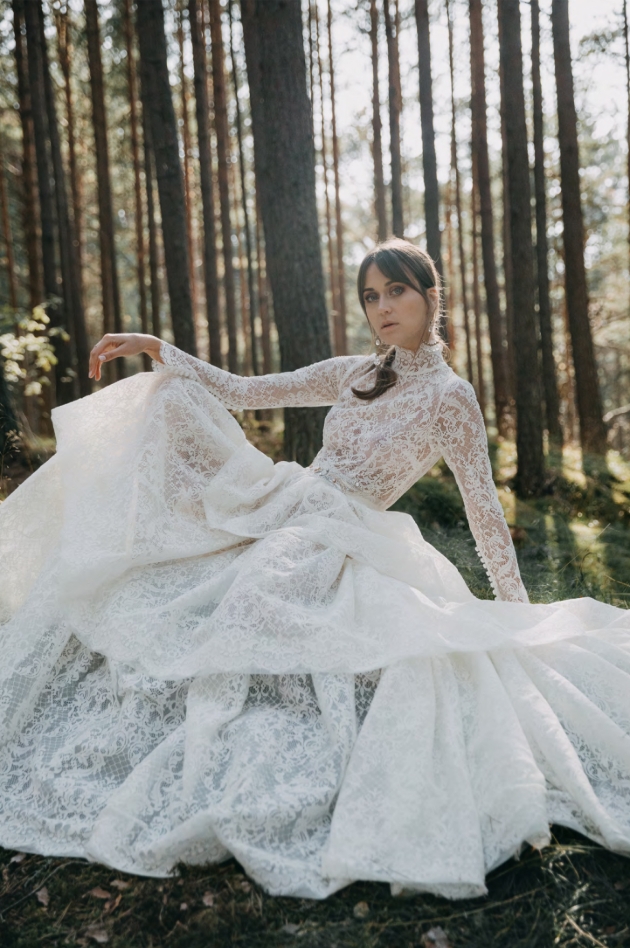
[{"x": 427, "y": 355}]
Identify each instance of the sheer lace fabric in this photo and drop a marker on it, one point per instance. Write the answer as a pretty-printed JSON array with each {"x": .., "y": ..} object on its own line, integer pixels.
[{"x": 206, "y": 654}]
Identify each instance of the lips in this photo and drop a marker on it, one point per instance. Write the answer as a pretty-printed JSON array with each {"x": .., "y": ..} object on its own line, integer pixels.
[{"x": 388, "y": 326}]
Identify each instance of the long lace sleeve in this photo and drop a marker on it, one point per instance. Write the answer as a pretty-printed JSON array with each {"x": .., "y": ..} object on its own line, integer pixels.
[
  {"x": 460, "y": 434},
  {"x": 310, "y": 386}
]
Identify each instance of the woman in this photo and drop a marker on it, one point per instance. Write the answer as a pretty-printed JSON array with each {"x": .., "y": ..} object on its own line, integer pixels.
[{"x": 206, "y": 654}]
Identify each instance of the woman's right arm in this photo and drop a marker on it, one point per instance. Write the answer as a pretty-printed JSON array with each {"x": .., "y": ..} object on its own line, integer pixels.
[{"x": 310, "y": 386}]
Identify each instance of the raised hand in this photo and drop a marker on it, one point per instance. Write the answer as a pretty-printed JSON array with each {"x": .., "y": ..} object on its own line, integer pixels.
[{"x": 114, "y": 345}]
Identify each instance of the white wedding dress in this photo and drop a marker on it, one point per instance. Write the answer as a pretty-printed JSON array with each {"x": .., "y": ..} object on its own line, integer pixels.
[{"x": 207, "y": 654}]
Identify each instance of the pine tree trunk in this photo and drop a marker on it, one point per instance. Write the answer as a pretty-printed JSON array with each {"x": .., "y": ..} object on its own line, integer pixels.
[
  {"x": 202, "y": 111},
  {"x": 395, "y": 108},
  {"x": 112, "y": 313},
  {"x": 341, "y": 343},
  {"x": 332, "y": 274},
  {"x": 62, "y": 18},
  {"x": 149, "y": 177},
  {"x": 253, "y": 309},
  {"x": 377, "y": 127},
  {"x": 29, "y": 170},
  {"x": 429, "y": 160},
  {"x": 549, "y": 378},
  {"x": 589, "y": 403},
  {"x": 223, "y": 157},
  {"x": 157, "y": 103},
  {"x": 530, "y": 474},
  {"x": 458, "y": 199},
  {"x": 261, "y": 286},
  {"x": 508, "y": 276},
  {"x": 482, "y": 164},
  {"x": 63, "y": 382},
  {"x": 481, "y": 384},
  {"x": 137, "y": 183},
  {"x": 626, "y": 45},
  {"x": 6, "y": 235},
  {"x": 188, "y": 185},
  {"x": 285, "y": 173}
]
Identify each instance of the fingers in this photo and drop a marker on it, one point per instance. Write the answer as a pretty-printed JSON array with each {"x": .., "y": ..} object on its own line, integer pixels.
[{"x": 111, "y": 346}]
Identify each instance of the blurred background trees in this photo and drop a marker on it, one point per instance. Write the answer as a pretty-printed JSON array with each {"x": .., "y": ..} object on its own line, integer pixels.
[{"x": 212, "y": 171}]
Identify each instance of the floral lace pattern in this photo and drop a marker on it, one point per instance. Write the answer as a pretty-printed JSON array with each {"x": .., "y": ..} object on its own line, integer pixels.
[{"x": 206, "y": 653}]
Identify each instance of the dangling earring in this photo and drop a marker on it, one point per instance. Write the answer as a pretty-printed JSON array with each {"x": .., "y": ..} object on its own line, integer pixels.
[{"x": 377, "y": 341}]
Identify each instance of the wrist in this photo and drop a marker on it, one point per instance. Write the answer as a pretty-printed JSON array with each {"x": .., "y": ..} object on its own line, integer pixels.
[{"x": 152, "y": 347}]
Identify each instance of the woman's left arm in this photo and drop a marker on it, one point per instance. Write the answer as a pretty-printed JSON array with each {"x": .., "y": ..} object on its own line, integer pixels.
[{"x": 460, "y": 434}]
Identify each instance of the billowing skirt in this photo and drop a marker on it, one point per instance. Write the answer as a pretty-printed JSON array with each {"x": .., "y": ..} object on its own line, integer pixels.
[{"x": 207, "y": 654}]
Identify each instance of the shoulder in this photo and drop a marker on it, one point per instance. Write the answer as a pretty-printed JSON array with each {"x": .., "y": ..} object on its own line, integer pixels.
[{"x": 458, "y": 391}]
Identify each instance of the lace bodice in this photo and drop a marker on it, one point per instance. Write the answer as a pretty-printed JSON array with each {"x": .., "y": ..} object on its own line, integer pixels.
[{"x": 379, "y": 448}]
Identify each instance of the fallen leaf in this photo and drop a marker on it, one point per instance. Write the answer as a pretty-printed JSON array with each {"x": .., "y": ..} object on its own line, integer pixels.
[
  {"x": 435, "y": 938},
  {"x": 120, "y": 884},
  {"x": 19, "y": 858},
  {"x": 42, "y": 896},
  {"x": 112, "y": 904},
  {"x": 290, "y": 928},
  {"x": 361, "y": 910},
  {"x": 99, "y": 935},
  {"x": 208, "y": 899},
  {"x": 100, "y": 893}
]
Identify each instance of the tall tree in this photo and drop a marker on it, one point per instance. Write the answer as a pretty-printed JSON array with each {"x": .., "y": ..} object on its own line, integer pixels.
[
  {"x": 550, "y": 382},
  {"x": 530, "y": 474},
  {"x": 158, "y": 104},
  {"x": 482, "y": 167},
  {"x": 222, "y": 132},
  {"x": 429, "y": 160},
  {"x": 481, "y": 385},
  {"x": 202, "y": 111},
  {"x": 263, "y": 295},
  {"x": 285, "y": 172},
  {"x": 377, "y": 127},
  {"x": 458, "y": 197},
  {"x": 110, "y": 289},
  {"x": 64, "y": 47},
  {"x": 246, "y": 225},
  {"x": 186, "y": 139},
  {"x": 149, "y": 178},
  {"x": 340, "y": 316},
  {"x": 6, "y": 234},
  {"x": 332, "y": 269},
  {"x": 392, "y": 24},
  {"x": 137, "y": 183},
  {"x": 508, "y": 276},
  {"x": 29, "y": 170},
  {"x": 626, "y": 50},
  {"x": 589, "y": 403},
  {"x": 34, "y": 44}
]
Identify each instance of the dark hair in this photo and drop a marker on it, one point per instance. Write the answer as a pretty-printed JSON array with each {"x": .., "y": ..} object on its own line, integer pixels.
[{"x": 403, "y": 262}]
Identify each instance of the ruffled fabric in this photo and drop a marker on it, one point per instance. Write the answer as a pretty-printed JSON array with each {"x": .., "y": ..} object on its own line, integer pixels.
[{"x": 206, "y": 654}]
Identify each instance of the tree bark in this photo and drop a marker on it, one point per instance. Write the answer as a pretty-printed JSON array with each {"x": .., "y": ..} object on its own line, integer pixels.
[
  {"x": 508, "y": 276},
  {"x": 395, "y": 108},
  {"x": 62, "y": 18},
  {"x": 549, "y": 377},
  {"x": 530, "y": 474},
  {"x": 285, "y": 172},
  {"x": 429, "y": 160},
  {"x": 458, "y": 200},
  {"x": 333, "y": 275},
  {"x": 29, "y": 170},
  {"x": 481, "y": 384},
  {"x": 626, "y": 50},
  {"x": 253, "y": 309},
  {"x": 202, "y": 111},
  {"x": 188, "y": 186},
  {"x": 341, "y": 343},
  {"x": 6, "y": 235},
  {"x": 377, "y": 127},
  {"x": 482, "y": 164},
  {"x": 112, "y": 313},
  {"x": 149, "y": 176},
  {"x": 589, "y": 403},
  {"x": 223, "y": 157},
  {"x": 157, "y": 102},
  {"x": 137, "y": 184},
  {"x": 263, "y": 296},
  {"x": 63, "y": 382}
]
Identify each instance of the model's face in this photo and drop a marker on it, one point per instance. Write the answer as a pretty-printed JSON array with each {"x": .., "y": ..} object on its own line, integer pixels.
[{"x": 398, "y": 314}]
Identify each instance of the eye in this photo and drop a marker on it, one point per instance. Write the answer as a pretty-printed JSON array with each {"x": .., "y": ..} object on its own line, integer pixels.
[
  {"x": 397, "y": 290},
  {"x": 370, "y": 298}
]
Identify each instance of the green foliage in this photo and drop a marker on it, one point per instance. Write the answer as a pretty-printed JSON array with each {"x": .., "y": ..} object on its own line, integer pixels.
[{"x": 27, "y": 349}]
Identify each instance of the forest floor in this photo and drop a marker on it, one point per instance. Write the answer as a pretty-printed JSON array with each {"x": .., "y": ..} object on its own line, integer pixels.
[{"x": 574, "y": 541}]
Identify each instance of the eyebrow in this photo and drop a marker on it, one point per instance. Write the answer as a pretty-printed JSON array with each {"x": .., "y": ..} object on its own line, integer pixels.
[{"x": 370, "y": 289}]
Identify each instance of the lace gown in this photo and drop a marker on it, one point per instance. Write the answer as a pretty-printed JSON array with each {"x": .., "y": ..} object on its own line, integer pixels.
[{"x": 207, "y": 654}]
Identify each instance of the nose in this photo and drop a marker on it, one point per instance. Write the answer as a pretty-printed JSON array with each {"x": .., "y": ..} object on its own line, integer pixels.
[{"x": 383, "y": 304}]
